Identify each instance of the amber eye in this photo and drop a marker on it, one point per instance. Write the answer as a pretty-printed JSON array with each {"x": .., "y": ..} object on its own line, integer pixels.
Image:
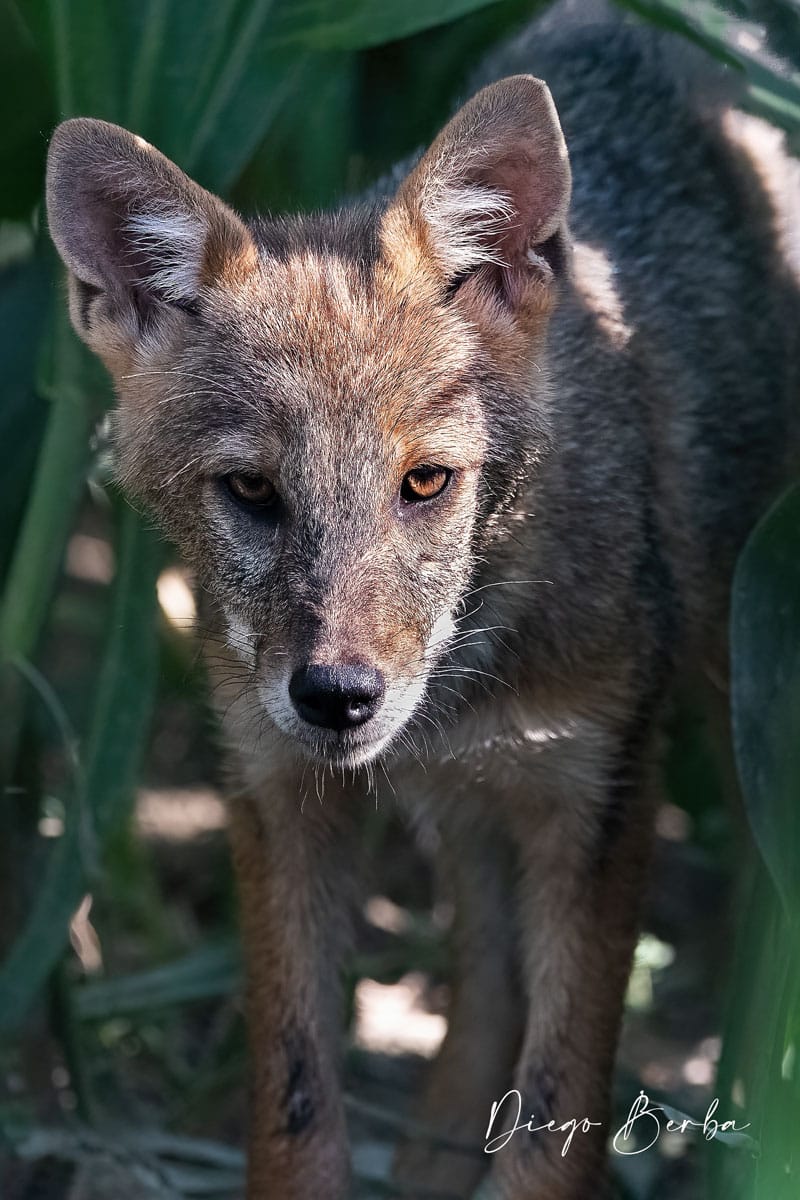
[
  {"x": 424, "y": 483},
  {"x": 253, "y": 490}
]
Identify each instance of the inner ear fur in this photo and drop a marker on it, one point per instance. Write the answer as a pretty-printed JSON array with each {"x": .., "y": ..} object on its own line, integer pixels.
[
  {"x": 136, "y": 234},
  {"x": 492, "y": 192}
]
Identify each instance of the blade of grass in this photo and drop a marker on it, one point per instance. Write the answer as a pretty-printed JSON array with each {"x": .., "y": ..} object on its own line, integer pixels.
[
  {"x": 25, "y": 286},
  {"x": 59, "y": 21},
  {"x": 46, "y": 524},
  {"x": 58, "y": 483},
  {"x": 201, "y": 975},
  {"x": 122, "y": 710},
  {"x": 56, "y": 710}
]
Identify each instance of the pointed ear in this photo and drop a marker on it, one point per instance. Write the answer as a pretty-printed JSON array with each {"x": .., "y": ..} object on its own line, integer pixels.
[
  {"x": 140, "y": 239},
  {"x": 491, "y": 194}
]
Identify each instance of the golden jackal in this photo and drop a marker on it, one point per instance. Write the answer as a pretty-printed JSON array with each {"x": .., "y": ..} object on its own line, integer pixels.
[{"x": 463, "y": 470}]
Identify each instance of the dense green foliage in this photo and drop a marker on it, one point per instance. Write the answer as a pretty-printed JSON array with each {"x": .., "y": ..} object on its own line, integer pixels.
[{"x": 284, "y": 104}]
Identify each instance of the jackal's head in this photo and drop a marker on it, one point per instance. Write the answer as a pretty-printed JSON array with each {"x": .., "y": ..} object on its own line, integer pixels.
[{"x": 327, "y": 414}]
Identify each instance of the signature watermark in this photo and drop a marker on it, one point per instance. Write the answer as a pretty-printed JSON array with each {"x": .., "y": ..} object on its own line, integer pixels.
[{"x": 645, "y": 1124}]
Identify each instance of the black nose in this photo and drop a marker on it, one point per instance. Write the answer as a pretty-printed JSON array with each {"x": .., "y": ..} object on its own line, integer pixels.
[{"x": 336, "y": 697}]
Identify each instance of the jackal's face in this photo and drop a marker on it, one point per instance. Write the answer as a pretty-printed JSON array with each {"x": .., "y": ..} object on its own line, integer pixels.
[{"x": 327, "y": 415}]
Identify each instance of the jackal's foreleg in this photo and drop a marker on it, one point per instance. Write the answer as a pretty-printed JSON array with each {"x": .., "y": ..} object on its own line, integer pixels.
[
  {"x": 584, "y": 848},
  {"x": 292, "y": 881}
]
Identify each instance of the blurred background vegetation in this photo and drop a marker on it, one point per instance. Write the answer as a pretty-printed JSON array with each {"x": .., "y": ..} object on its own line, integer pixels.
[{"x": 121, "y": 1042}]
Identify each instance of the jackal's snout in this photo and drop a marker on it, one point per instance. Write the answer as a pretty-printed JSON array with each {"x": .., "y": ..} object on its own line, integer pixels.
[{"x": 337, "y": 697}]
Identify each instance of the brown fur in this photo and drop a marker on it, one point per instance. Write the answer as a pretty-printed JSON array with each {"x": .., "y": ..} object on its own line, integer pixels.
[{"x": 615, "y": 401}]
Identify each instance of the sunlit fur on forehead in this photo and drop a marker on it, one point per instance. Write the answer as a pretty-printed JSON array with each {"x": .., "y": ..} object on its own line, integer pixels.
[
  {"x": 325, "y": 330},
  {"x": 339, "y": 274}
]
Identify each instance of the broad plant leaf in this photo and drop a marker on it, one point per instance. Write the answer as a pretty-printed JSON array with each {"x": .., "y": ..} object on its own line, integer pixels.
[
  {"x": 26, "y": 112},
  {"x": 23, "y": 303},
  {"x": 79, "y": 42},
  {"x": 355, "y": 24},
  {"x": 765, "y": 648},
  {"x": 122, "y": 708},
  {"x": 204, "y": 83},
  {"x": 69, "y": 380},
  {"x": 758, "y": 1078}
]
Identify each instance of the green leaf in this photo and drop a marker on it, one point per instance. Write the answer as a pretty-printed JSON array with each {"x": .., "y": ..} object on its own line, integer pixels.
[
  {"x": 758, "y": 1070},
  {"x": 57, "y": 485},
  {"x": 240, "y": 113},
  {"x": 23, "y": 301},
  {"x": 303, "y": 159},
  {"x": 27, "y": 111},
  {"x": 765, "y": 649},
  {"x": 354, "y": 24},
  {"x": 122, "y": 708},
  {"x": 204, "y": 974},
  {"x": 78, "y": 41}
]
